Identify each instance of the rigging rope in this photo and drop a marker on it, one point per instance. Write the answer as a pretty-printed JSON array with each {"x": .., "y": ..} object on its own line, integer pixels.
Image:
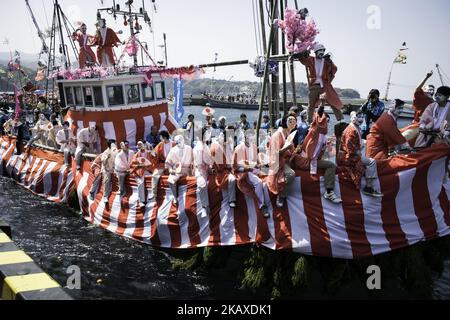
[
  {"x": 255, "y": 27},
  {"x": 445, "y": 75},
  {"x": 46, "y": 16},
  {"x": 153, "y": 31},
  {"x": 33, "y": 40},
  {"x": 259, "y": 27},
  {"x": 269, "y": 13}
]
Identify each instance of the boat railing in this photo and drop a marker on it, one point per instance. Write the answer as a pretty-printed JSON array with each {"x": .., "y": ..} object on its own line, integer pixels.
[{"x": 88, "y": 156}]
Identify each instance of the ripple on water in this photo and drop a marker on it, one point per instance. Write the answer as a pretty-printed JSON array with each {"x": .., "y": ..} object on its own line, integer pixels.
[{"x": 113, "y": 267}]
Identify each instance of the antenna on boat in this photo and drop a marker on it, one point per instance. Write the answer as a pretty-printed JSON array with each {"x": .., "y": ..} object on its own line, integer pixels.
[
  {"x": 216, "y": 55},
  {"x": 131, "y": 18},
  {"x": 61, "y": 25}
]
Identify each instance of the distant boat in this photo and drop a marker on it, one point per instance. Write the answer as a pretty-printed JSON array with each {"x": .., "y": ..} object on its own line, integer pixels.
[{"x": 223, "y": 104}]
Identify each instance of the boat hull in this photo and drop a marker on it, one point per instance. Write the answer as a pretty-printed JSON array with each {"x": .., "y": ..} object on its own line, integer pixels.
[{"x": 415, "y": 208}]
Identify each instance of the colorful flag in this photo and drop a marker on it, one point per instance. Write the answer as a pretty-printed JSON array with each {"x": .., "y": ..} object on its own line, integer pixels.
[
  {"x": 178, "y": 94},
  {"x": 401, "y": 57}
]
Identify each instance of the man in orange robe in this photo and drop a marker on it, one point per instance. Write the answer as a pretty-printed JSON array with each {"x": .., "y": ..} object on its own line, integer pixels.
[
  {"x": 321, "y": 72},
  {"x": 106, "y": 39},
  {"x": 350, "y": 157},
  {"x": 86, "y": 55},
  {"x": 245, "y": 169},
  {"x": 221, "y": 158},
  {"x": 310, "y": 157},
  {"x": 385, "y": 135},
  {"x": 141, "y": 167},
  {"x": 423, "y": 97},
  {"x": 96, "y": 169},
  {"x": 159, "y": 155},
  {"x": 281, "y": 175}
]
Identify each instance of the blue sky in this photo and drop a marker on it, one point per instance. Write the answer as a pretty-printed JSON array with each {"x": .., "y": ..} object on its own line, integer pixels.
[{"x": 197, "y": 29}]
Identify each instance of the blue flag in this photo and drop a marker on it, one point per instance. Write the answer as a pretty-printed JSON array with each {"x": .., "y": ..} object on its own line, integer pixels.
[{"x": 178, "y": 93}]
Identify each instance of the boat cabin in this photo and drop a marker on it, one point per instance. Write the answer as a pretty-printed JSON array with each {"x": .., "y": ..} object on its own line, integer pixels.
[{"x": 113, "y": 93}]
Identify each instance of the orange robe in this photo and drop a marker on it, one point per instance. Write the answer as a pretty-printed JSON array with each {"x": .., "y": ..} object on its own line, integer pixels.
[
  {"x": 105, "y": 46},
  {"x": 159, "y": 160},
  {"x": 96, "y": 166},
  {"x": 420, "y": 103},
  {"x": 383, "y": 136},
  {"x": 328, "y": 75},
  {"x": 348, "y": 157},
  {"x": 220, "y": 164},
  {"x": 243, "y": 183},
  {"x": 86, "y": 54},
  {"x": 276, "y": 181},
  {"x": 140, "y": 171},
  {"x": 318, "y": 126}
]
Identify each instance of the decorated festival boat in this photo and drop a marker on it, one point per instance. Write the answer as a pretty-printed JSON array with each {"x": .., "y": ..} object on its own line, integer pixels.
[{"x": 124, "y": 106}]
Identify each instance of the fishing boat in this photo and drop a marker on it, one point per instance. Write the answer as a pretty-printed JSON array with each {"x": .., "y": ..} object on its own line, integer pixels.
[
  {"x": 415, "y": 206},
  {"x": 225, "y": 104}
]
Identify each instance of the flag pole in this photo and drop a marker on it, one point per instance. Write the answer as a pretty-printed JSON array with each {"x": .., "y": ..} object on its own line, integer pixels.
[{"x": 389, "y": 82}]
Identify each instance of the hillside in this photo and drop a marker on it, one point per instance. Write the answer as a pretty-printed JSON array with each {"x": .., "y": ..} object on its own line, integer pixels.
[{"x": 223, "y": 87}]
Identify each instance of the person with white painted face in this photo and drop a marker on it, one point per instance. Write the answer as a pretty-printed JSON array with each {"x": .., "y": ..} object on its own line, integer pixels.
[
  {"x": 142, "y": 167},
  {"x": 67, "y": 142},
  {"x": 87, "y": 140},
  {"x": 105, "y": 40},
  {"x": 39, "y": 130},
  {"x": 435, "y": 121},
  {"x": 179, "y": 163},
  {"x": 423, "y": 97},
  {"x": 321, "y": 72},
  {"x": 221, "y": 154},
  {"x": 159, "y": 155},
  {"x": 122, "y": 166},
  {"x": 281, "y": 148},
  {"x": 202, "y": 163},
  {"x": 246, "y": 169},
  {"x": 385, "y": 135},
  {"x": 86, "y": 55},
  {"x": 350, "y": 157},
  {"x": 108, "y": 165}
]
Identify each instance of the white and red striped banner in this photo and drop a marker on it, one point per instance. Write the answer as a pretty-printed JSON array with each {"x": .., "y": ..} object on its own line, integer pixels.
[
  {"x": 41, "y": 172},
  {"x": 415, "y": 208},
  {"x": 121, "y": 125}
]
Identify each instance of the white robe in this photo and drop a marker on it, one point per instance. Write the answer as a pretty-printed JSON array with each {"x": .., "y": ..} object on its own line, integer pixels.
[
  {"x": 122, "y": 162},
  {"x": 61, "y": 136}
]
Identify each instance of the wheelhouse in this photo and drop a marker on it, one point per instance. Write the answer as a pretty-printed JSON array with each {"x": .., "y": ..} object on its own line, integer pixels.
[{"x": 113, "y": 93}]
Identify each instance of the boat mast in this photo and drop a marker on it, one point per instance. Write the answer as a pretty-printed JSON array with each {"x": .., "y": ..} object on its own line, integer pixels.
[
  {"x": 165, "y": 48},
  {"x": 292, "y": 72},
  {"x": 40, "y": 34},
  {"x": 440, "y": 74},
  {"x": 389, "y": 83},
  {"x": 275, "y": 105},
  {"x": 266, "y": 71},
  {"x": 62, "y": 44},
  {"x": 283, "y": 48},
  {"x": 264, "y": 42}
]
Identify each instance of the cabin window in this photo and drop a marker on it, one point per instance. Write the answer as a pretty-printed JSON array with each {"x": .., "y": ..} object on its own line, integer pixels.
[
  {"x": 69, "y": 96},
  {"x": 78, "y": 96},
  {"x": 115, "y": 95},
  {"x": 149, "y": 95},
  {"x": 133, "y": 93},
  {"x": 98, "y": 96},
  {"x": 160, "y": 90},
  {"x": 88, "y": 97}
]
